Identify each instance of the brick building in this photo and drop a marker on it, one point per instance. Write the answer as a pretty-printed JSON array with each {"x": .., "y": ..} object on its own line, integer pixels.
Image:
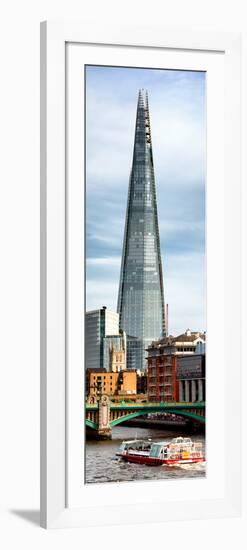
[
  {"x": 162, "y": 384},
  {"x": 163, "y": 357},
  {"x": 101, "y": 382}
]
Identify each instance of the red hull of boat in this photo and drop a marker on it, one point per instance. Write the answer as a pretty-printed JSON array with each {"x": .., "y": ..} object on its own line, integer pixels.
[{"x": 159, "y": 462}]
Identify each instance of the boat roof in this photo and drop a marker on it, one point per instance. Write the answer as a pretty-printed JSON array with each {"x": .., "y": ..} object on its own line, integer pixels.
[
  {"x": 173, "y": 441},
  {"x": 161, "y": 443},
  {"x": 137, "y": 441}
]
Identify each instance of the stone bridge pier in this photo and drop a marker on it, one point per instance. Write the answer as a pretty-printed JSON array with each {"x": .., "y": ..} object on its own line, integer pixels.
[{"x": 104, "y": 427}]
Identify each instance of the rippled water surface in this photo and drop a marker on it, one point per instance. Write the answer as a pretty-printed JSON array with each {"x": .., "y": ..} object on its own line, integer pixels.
[{"x": 103, "y": 466}]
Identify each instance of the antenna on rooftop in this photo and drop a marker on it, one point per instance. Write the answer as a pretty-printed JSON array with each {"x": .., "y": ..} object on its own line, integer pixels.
[{"x": 166, "y": 321}]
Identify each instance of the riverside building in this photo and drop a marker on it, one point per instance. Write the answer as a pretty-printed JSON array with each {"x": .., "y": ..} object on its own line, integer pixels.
[
  {"x": 121, "y": 384},
  {"x": 190, "y": 374},
  {"x": 176, "y": 371},
  {"x": 186, "y": 343}
]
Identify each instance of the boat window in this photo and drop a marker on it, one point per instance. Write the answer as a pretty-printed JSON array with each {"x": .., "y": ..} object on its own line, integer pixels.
[{"x": 155, "y": 451}]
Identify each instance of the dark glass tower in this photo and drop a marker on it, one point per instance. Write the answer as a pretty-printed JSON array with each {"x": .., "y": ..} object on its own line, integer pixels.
[{"x": 141, "y": 293}]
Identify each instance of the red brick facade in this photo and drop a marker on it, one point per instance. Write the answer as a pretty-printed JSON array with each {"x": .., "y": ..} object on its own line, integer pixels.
[{"x": 162, "y": 383}]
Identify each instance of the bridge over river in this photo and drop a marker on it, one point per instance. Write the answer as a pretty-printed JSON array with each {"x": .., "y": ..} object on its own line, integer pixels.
[{"x": 105, "y": 414}]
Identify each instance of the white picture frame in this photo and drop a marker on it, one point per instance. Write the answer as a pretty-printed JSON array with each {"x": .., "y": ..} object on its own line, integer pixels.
[{"x": 55, "y": 506}]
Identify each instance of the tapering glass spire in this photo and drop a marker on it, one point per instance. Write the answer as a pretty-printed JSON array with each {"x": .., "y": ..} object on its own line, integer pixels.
[{"x": 141, "y": 294}]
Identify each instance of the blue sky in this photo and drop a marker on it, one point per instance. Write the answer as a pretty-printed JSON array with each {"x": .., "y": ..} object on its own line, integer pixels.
[{"x": 177, "y": 113}]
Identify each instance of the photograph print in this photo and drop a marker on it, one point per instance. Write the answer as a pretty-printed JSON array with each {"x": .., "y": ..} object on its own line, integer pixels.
[{"x": 145, "y": 315}]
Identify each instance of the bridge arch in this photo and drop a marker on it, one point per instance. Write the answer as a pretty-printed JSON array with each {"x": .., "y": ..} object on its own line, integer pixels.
[
  {"x": 91, "y": 424},
  {"x": 184, "y": 413}
]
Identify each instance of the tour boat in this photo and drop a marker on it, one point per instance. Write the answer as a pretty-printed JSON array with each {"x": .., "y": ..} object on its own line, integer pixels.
[
  {"x": 135, "y": 447},
  {"x": 180, "y": 450}
]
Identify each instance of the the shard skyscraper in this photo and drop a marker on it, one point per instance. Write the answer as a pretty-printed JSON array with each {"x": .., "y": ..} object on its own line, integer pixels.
[{"x": 141, "y": 294}]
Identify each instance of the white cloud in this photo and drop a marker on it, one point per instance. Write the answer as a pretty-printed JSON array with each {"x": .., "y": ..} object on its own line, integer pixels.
[
  {"x": 103, "y": 293},
  {"x": 185, "y": 292},
  {"x": 177, "y": 133},
  {"x": 109, "y": 262}
]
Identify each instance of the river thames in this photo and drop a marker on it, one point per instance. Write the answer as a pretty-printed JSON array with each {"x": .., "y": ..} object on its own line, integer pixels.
[{"x": 102, "y": 465}]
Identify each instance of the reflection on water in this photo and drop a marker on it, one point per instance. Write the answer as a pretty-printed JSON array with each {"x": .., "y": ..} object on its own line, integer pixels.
[{"x": 103, "y": 466}]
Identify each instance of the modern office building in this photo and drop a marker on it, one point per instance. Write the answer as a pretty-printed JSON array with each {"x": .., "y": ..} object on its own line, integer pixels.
[
  {"x": 134, "y": 352},
  {"x": 141, "y": 296},
  {"x": 98, "y": 324}
]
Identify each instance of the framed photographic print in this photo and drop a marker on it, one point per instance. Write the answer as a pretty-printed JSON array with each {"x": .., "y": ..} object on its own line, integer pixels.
[{"x": 140, "y": 253}]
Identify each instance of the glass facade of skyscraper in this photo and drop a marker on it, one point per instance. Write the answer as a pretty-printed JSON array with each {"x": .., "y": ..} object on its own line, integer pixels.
[
  {"x": 98, "y": 324},
  {"x": 141, "y": 295}
]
